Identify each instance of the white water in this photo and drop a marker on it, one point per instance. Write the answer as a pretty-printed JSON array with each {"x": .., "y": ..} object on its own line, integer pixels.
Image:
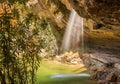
[
  {"x": 70, "y": 75},
  {"x": 73, "y": 37}
]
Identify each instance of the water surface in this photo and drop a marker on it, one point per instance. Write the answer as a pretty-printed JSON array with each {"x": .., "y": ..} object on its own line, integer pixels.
[{"x": 53, "y": 72}]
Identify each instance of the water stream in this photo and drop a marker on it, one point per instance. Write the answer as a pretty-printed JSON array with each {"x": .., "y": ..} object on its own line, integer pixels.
[{"x": 74, "y": 34}]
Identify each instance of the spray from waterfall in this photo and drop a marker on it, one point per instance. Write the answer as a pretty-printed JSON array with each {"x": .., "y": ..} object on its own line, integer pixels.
[{"x": 73, "y": 39}]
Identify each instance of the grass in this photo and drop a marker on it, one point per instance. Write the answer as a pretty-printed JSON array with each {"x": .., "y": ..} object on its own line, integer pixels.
[{"x": 49, "y": 68}]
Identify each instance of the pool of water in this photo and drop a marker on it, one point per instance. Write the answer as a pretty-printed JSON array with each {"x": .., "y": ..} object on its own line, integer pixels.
[
  {"x": 82, "y": 78},
  {"x": 52, "y": 72}
]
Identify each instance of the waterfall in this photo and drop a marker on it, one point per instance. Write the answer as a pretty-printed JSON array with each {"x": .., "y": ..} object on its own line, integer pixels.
[{"x": 74, "y": 34}]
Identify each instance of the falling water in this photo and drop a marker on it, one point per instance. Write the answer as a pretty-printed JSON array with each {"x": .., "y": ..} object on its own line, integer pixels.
[{"x": 73, "y": 37}]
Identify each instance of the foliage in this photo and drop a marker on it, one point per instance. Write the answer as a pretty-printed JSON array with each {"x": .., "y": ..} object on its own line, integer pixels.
[
  {"x": 14, "y": 1},
  {"x": 22, "y": 35},
  {"x": 19, "y": 43},
  {"x": 48, "y": 40}
]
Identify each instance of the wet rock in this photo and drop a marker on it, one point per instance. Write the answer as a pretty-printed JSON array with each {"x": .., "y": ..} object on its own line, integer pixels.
[
  {"x": 70, "y": 58},
  {"x": 97, "y": 26},
  {"x": 113, "y": 78},
  {"x": 107, "y": 77},
  {"x": 104, "y": 68},
  {"x": 117, "y": 65}
]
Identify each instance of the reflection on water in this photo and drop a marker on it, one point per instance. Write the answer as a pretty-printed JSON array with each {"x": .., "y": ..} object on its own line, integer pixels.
[
  {"x": 81, "y": 78},
  {"x": 70, "y": 75}
]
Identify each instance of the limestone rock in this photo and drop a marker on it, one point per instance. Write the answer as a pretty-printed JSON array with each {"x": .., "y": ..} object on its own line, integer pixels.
[{"x": 102, "y": 11}]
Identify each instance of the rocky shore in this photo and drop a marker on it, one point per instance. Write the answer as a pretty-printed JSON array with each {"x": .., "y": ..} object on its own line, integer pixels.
[{"x": 104, "y": 68}]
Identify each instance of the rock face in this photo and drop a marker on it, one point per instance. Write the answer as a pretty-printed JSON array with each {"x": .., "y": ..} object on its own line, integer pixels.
[
  {"x": 70, "y": 58},
  {"x": 106, "y": 11},
  {"x": 104, "y": 67},
  {"x": 102, "y": 11}
]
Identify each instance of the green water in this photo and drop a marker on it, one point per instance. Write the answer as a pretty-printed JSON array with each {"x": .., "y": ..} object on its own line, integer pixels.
[{"x": 52, "y": 68}]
